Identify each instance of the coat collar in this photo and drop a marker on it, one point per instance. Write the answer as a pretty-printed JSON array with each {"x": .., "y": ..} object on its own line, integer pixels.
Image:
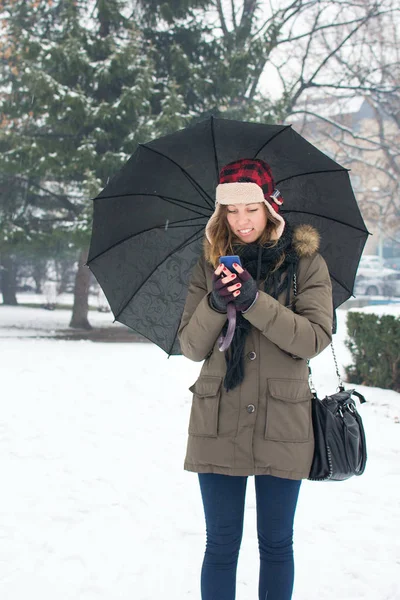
[{"x": 306, "y": 240}]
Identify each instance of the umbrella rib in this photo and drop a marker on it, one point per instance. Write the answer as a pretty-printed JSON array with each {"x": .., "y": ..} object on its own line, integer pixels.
[
  {"x": 342, "y": 170},
  {"x": 195, "y": 184},
  {"x": 168, "y": 198},
  {"x": 307, "y": 212},
  {"x": 178, "y": 202},
  {"x": 214, "y": 147},
  {"x": 284, "y": 128},
  {"x": 185, "y": 243},
  {"x": 172, "y": 225},
  {"x": 341, "y": 283},
  {"x": 144, "y": 231}
]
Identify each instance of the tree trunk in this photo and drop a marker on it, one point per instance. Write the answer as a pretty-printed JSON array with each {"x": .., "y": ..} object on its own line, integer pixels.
[
  {"x": 39, "y": 272},
  {"x": 64, "y": 268},
  {"x": 8, "y": 272},
  {"x": 79, "y": 319}
]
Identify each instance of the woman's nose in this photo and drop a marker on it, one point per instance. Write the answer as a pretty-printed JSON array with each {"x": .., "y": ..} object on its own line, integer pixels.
[{"x": 242, "y": 223}]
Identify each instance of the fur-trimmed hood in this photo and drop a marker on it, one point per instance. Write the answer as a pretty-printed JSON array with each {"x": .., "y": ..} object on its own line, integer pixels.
[{"x": 305, "y": 240}]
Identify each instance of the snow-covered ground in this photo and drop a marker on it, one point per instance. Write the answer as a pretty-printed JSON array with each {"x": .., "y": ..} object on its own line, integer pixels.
[
  {"x": 94, "y": 502},
  {"x": 65, "y": 298},
  {"x": 23, "y": 322}
]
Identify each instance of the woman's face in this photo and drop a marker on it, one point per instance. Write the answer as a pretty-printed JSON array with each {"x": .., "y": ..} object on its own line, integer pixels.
[{"x": 247, "y": 221}]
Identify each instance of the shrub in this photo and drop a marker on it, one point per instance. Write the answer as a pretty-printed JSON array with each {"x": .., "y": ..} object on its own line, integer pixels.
[{"x": 374, "y": 343}]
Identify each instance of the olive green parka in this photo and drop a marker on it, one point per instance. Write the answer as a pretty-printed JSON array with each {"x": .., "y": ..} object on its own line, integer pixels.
[{"x": 263, "y": 426}]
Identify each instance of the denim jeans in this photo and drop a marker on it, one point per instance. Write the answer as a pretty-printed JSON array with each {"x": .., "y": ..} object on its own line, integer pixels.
[{"x": 224, "y": 500}]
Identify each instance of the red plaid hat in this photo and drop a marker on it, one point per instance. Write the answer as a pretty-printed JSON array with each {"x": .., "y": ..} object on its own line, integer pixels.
[{"x": 247, "y": 181}]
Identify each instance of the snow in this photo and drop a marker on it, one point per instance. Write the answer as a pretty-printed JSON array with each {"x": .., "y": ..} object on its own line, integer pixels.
[
  {"x": 23, "y": 322},
  {"x": 95, "y": 504},
  {"x": 381, "y": 309}
]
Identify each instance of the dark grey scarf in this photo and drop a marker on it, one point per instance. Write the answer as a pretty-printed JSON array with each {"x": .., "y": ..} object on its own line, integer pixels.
[{"x": 260, "y": 262}]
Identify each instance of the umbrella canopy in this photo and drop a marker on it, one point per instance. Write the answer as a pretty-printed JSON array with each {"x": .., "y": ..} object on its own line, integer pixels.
[{"x": 149, "y": 221}]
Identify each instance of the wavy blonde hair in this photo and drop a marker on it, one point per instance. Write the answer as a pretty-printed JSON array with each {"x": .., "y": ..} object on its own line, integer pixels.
[{"x": 223, "y": 237}]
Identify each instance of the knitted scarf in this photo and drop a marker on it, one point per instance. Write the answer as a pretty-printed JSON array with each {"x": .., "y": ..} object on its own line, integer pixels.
[{"x": 260, "y": 262}]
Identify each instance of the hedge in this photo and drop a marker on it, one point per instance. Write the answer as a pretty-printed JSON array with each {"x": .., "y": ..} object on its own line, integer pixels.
[{"x": 374, "y": 343}]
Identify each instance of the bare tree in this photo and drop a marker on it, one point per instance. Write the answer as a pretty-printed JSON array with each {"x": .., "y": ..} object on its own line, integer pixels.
[
  {"x": 367, "y": 142},
  {"x": 297, "y": 43},
  {"x": 253, "y": 58}
]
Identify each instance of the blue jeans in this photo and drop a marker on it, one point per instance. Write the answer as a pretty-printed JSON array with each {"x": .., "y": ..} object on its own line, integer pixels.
[{"x": 224, "y": 499}]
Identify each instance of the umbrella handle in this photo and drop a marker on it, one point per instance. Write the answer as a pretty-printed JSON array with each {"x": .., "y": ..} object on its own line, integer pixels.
[{"x": 225, "y": 342}]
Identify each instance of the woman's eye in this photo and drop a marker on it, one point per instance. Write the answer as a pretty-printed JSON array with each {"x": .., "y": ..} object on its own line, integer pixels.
[{"x": 233, "y": 212}]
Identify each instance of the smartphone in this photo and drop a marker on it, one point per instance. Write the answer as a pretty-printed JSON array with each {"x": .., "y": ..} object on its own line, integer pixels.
[{"x": 229, "y": 260}]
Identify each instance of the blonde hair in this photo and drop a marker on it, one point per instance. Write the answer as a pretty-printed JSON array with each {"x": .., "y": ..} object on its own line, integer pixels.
[{"x": 223, "y": 238}]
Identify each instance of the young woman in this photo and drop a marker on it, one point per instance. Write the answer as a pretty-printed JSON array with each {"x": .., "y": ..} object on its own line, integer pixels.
[{"x": 251, "y": 408}]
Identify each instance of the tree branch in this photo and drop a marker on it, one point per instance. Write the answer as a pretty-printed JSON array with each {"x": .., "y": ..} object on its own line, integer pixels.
[
  {"x": 289, "y": 39},
  {"x": 222, "y": 21},
  {"x": 338, "y": 126},
  {"x": 233, "y": 10},
  {"x": 62, "y": 199}
]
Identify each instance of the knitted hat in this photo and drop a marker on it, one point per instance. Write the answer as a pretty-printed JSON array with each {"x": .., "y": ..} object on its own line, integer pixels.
[{"x": 246, "y": 181}]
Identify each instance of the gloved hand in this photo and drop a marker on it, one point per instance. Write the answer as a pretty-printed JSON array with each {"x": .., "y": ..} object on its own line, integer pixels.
[
  {"x": 248, "y": 289},
  {"x": 224, "y": 288}
]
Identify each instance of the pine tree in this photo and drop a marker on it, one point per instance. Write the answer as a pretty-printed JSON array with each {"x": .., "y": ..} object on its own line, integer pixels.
[
  {"x": 78, "y": 94},
  {"x": 216, "y": 67}
]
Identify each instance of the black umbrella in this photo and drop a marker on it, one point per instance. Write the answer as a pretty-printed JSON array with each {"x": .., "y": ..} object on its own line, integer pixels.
[{"x": 149, "y": 220}]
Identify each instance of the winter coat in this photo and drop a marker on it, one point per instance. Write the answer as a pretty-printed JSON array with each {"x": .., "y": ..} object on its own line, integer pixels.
[{"x": 263, "y": 426}]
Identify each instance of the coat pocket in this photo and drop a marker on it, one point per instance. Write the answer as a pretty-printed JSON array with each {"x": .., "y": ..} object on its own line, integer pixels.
[
  {"x": 205, "y": 406},
  {"x": 288, "y": 410}
]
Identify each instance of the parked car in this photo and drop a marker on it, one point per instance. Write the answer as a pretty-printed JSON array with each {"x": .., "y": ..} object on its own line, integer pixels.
[
  {"x": 372, "y": 269},
  {"x": 392, "y": 263},
  {"x": 393, "y": 283},
  {"x": 368, "y": 286},
  {"x": 382, "y": 285},
  {"x": 371, "y": 259}
]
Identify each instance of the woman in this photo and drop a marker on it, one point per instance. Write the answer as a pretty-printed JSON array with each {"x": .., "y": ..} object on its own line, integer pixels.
[{"x": 251, "y": 408}]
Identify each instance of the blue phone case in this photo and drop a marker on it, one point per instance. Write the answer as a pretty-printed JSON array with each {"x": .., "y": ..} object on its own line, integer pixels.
[{"x": 229, "y": 260}]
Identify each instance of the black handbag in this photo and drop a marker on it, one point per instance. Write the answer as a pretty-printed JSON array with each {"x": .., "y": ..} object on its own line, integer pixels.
[{"x": 340, "y": 449}]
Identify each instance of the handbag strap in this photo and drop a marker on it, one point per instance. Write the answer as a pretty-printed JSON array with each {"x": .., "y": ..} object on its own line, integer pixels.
[
  {"x": 312, "y": 387},
  {"x": 359, "y": 396}
]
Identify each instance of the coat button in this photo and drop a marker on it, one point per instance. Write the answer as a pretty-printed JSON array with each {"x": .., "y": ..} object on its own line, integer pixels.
[
  {"x": 252, "y": 355},
  {"x": 250, "y": 408}
]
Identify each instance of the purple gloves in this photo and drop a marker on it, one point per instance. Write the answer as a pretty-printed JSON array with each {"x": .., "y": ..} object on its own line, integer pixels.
[
  {"x": 223, "y": 293},
  {"x": 248, "y": 291}
]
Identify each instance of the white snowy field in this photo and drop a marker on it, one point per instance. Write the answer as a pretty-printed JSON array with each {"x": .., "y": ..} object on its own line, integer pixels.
[{"x": 95, "y": 504}]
